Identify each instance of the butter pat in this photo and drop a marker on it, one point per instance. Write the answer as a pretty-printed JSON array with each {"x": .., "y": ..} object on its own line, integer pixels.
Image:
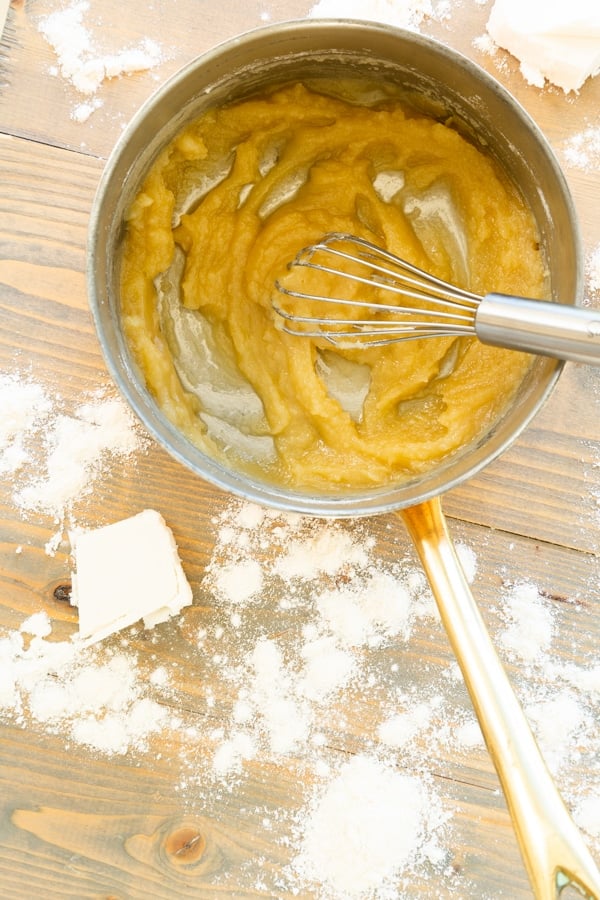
[
  {"x": 125, "y": 572},
  {"x": 558, "y": 41}
]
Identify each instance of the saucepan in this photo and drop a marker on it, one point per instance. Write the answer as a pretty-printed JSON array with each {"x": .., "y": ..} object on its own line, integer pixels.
[{"x": 443, "y": 83}]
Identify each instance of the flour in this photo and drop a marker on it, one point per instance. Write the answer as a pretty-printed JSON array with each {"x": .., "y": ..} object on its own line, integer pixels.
[
  {"x": 530, "y": 627},
  {"x": 25, "y": 407},
  {"x": 399, "y": 13},
  {"x": 294, "y": 688},
  {"x": 37, "y": 625},
  {"x": 80, "y": 62},
  {"x": 582, "y": 150},
  {"x": 54, "y": 458},
  {"x": 593, "y": 272},
  {"x": 239, "y": 582},
  {"x": 93, "y": 698},
  {"x": 368, "y": 611},
  {"x": 369, "y": 824},
  {"x": 587, "y": 812},
  {"x": 367, "y": 608},
  {"x": 402, "y": 728},
  {"x": 558, "y": 722},
  {"x": 323, "y": 552},
  {"x": 75, "y": 446}
]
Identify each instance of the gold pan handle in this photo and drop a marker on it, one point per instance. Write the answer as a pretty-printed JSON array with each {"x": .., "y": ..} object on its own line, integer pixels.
[{"x": 552, "y": 846}]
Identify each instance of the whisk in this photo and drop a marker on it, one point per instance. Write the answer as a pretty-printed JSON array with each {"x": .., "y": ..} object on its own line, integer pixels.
[{"x": 427, "y": 307}]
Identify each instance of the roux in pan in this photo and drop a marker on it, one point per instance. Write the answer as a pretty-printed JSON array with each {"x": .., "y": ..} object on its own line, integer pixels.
[{"x": 230, "y": 202}]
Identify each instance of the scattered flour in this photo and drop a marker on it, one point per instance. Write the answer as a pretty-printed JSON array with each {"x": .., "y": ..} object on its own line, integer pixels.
[
  {"x": 485, "y": 44},
  {"x": 327, "y": 571},
  {"x": 25, "y": 407},
  {"x": 401, "y": 728},
  {"x": 38, "y": 625},
  {"x": 587, "y": 812},
  {"x": 325, "y": 552},
  {"x": 93, "y": 698},
  {"x": 54, "y": 458},
  {"x": 530, "y": 627},
  {"x": 582, "y": 150},
  {"x": 558, "y": 722},
  {"x": 399, "y": 13},
  {"x": 369, "y": 610},
  {"x": 80, "y": 62},
  {"x": 75, "y": 448},
  {"x": 593, "y": 272},
  {"x": 239, "y": 582}
]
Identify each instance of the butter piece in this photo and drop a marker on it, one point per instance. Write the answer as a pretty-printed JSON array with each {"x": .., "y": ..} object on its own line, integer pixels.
[
  {"x": 125, "y": 572},
  {"x": 558, "y": 41}
]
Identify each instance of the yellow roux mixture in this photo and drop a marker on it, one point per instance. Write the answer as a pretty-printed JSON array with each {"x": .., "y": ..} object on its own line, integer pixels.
[{"x": 232, "y": 200}]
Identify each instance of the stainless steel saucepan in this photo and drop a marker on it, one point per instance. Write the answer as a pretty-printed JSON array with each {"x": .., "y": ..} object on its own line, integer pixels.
[{"x": 440, "y": 81}]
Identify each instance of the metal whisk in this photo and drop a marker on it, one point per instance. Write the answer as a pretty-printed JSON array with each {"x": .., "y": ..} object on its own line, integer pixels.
[{"x": 427, "y": 307}]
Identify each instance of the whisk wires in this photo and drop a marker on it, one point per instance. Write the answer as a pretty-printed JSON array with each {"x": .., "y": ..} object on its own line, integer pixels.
[{"x": 426, "y": 306}]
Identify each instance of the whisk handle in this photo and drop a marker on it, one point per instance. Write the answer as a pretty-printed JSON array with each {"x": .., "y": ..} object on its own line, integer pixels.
[{"x": 538, "y": 326}]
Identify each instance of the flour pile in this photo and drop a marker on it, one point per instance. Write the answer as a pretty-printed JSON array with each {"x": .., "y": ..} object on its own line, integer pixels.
[
  {"x": 582, "y": 150},
  {"x": 369, "y": 824},
  {"x": 54, "y": 458},
  {"x": 81, "y": 63},
  {"x": 97, "y": 699}
]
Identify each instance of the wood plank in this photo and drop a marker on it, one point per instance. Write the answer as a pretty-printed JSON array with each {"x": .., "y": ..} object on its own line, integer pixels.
[{"x": 162, "y": 822}]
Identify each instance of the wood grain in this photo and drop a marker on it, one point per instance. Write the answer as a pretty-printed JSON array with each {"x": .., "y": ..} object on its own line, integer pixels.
[{"x": 158, "y": 824}]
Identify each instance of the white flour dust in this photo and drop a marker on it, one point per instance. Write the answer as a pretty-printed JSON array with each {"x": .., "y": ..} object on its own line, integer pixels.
[
  {"x": 529, "y": 628},
  {"x": 93, "y": 698},
  {"x": 582, "y": 150},
  {"x": 24, "y": 407},
  {"x": 83, "y": 64},
  {"x": 370, "y": 824},
  {"x": 327, "y": 574},
  {"x": 592, "y": 271},
  {"x": 399, "y": 13},
  {"x": 51, "y": 459}
]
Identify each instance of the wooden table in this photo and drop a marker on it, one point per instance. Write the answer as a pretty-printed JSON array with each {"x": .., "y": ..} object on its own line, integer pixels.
[{"x": 75, "y": 822}]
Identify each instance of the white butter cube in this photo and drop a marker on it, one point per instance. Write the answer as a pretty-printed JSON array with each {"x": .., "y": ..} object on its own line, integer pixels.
[
  {"x": 550, "y": 38},
  {"x": 125, "y": 572}
]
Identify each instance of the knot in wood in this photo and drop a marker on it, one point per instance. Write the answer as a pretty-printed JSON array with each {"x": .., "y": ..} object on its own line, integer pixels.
[
  {"x": 62, "y": 593},
  {"x": 185, "y": 846}
]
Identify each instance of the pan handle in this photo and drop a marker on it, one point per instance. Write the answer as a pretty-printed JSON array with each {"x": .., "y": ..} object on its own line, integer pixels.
[
  {"x": 538, "y": 326},
  {"x": 552, "y": 847}
]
